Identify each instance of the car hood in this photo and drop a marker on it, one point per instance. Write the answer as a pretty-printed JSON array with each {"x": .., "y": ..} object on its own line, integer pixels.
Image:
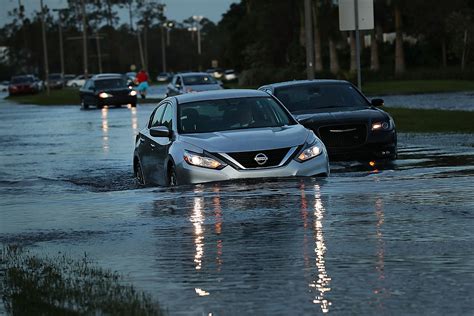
[
  {"x": 341, "y": 116},
  {"x": 204, "y": 87},
  {"x": 248, "y": 139}
]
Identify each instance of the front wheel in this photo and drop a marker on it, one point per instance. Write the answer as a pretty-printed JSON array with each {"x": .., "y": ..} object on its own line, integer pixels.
[
  {"x": 84, "y": 105},
  {"x": 139, "y": 174},
  {"x": 172, "y": 176},
  {"x": 134, "y": 105}
]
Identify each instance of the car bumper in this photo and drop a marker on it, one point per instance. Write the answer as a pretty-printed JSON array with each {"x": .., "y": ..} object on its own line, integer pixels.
[
  {"x": 188, "y": 174},
  {"x": 380, "y": 146},
  {"x": 117, "y": 100}
]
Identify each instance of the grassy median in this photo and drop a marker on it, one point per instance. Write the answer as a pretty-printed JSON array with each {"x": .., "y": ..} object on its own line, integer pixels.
[
  {"x": 65, "y": 96},
  {"x": 34, "y": 285},
  {"x": 432, "y": 121}
]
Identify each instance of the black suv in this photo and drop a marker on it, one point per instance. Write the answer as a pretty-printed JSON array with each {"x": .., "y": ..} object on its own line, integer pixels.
[{"x": 107, "y": 90}]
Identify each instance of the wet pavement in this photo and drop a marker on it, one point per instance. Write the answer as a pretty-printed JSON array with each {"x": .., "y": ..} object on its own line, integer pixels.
[{"x": 396, "y": 239}]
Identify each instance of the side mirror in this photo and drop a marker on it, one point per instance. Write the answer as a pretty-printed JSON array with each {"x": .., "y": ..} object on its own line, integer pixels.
[
  {"x": 160, "y": 131},
  {"x": 377, "y": 102}
]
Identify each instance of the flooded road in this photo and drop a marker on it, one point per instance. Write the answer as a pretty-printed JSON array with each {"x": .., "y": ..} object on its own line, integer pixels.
[
  {"x": 460, "y": 101},
  {"x": 397, "y": 240}
]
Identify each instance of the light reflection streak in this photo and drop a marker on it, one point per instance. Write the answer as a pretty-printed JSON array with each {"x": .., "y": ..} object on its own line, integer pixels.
[
  {"x": 201, "y": 292},
  {"x": 216, "y": 201},
  {"x": 105, "y": 129},
  {"x": 197, "y": 219},
  {"x": 133, "y": 111},
  {"x": 304, "y": 217},
  {"x": 323, "y": 281}
]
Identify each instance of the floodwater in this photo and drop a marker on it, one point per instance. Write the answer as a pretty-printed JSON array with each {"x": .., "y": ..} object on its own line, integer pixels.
[
  {"x": 461, "y": 101},
  {"x": 396, "y": 240}
]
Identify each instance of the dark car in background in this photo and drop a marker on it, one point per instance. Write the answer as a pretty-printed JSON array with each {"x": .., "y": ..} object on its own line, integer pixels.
[
  {"x": 55, "y": 81},
  {"x": 192, "y": 82},
  {"x": 351, "y": 126},
  {"x": 24, "y": 84},
  {"x": 107, "y": 90}
]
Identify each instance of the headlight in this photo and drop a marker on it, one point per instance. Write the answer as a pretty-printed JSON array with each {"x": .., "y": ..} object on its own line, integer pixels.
[
  {"x": 383, "y": 126},
  {"x": 202, "y": 161},
  {"x": 104, "y": 95},
  {"x": 311, "y": 151},
  {"x": 132, "y": 93}
]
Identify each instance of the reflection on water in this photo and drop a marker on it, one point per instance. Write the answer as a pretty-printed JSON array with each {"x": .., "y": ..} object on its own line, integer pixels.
[
  {"x": 105, "y": 130},
  {"x": 321, "y": 284},
  {"x": 133, "y": 112},
  {"x": 216, "y": 201},
  {"x": 380, "y": 291},
  {"x": 197, "y": 218}
]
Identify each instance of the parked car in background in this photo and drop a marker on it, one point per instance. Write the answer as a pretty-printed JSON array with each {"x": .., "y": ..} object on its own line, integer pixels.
[
  {"x": 4, "y": 86},
  {"x": 351, "y": 126},
  {"x": 224, "y": 135},
  {"x": 230, "y": 75},
  {"x": 68, "y": 77},
  {"x": 77, "y": 82},
  {"x": 24, "y": 84},
  {"x": 107, "y": 90},
  {"x": 131, "y": 77},
  {"x": 192, "y": 82},
  {"x": 55, "y": 81},
  {"x": 164, "y": 77},
  {"x": 217, "y": 73}
]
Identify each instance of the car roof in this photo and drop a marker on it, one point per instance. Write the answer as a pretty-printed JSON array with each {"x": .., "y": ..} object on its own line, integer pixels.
[
  {"x": 219, "y": 94},
  {"x": 302, "y": 82},
  {"x": 185, "y": 74},
  {"x": 106, "y": 76}
]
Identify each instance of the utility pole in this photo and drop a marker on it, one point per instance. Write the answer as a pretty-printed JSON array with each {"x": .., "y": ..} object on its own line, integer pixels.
[
  {"x": 197, "y": 19},
  {"x": 84, "y": 40},
  {"x": 163, "y": 48},
  {"x": 99, "y": 55},
  {"x": 45, "y": 48},
  {"x": 308, "y": 26},
  {"x": 357, "y": 35},
  {"x": 61, "y": 47}
]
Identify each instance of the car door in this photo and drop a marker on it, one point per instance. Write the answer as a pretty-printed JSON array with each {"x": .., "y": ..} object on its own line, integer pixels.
[
  {"x": 87, "y": 92},
  {"x": 147, "y": 144}
]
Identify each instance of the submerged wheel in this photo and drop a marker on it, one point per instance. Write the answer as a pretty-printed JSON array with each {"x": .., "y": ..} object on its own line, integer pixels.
[
  {"x": 139, "y": 174},
  {"x": 134, "y": 105},
  {"x": 172, "y": 176},
  {"x": 84, "y": 105}
]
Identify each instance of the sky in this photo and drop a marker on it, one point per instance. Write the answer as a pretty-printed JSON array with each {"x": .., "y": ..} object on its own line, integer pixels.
[{"x": 175, "y": 9}]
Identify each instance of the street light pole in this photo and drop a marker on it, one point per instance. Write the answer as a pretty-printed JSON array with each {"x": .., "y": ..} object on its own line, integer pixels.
[
  {"x": 163, "y": 48},
  {"x": 45, "y": 48},
  {"x": 357, "y": 34},
  {"x": 197, "y": 19}
]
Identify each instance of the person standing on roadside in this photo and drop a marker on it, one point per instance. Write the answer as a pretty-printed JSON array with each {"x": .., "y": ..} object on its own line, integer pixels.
[{"x": 142, "y": 81}]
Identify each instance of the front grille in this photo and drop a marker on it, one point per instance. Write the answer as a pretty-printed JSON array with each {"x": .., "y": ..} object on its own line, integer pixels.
[
  {"x": 343, "y": 135},
  {"x": 247, "y": 158}
]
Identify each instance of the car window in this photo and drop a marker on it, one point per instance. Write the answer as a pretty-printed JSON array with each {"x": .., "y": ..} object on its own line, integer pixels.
[
  {"x": 87, "y": 85},
  {"x": 199, "y": 80},
  {"x": 239, "y": 113},
  {"x": 300, "y": 98},
  {"x": 167, "y": 119},
  {"x": 156, "y": 120},
  {"x": 110, "y": 83},
  {"x": 178, "y": 81}
]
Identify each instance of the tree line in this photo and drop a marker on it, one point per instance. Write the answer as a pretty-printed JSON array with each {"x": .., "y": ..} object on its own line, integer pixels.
[{"x": 265, "y": 40}]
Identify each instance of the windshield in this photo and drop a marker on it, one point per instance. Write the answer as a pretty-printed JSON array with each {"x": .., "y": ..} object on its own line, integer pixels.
[
  {"x": 110, "y": 84},
  {"x": 24, "y": 79},
  {"x": 230, "y": 114},
  {"x": 313, "y": 96},
  {"x": 198, "y": 79}
]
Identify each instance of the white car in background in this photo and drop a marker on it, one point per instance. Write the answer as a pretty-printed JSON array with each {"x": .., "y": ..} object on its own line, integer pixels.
[
  {"x": 77, "y": 82},
  {"x": 4, "y": 86}
]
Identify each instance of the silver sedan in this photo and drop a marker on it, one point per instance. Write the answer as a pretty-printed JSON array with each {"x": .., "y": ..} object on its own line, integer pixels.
[{"x": 224, "y": 135}]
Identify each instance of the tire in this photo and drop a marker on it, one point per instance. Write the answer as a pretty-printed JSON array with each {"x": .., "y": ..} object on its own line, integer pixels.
[
  {"x": 172, "y": 179},
  {"x": 139, "y": 175},
  {"x": 84, "y": 105},
  {"x": 134, "y": 105}
]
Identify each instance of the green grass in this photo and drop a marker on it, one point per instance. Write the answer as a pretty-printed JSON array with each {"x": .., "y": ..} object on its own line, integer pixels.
[
  {"x": 416, "y": 86},
  {"x": 32, "y": 285},
  {"x": 430, "y": 121},
  {"x": 66, "y": 96}
]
